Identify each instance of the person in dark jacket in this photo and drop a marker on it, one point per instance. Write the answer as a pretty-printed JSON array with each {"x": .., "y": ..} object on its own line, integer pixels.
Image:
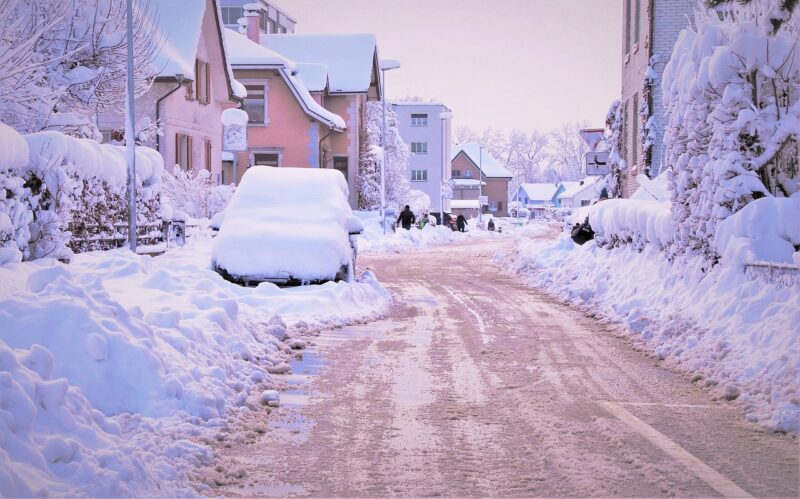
[
  {"x": 461, "y": 223},
  {"x": 490, "y": 226},
  {"x": 406, "y": 218}
]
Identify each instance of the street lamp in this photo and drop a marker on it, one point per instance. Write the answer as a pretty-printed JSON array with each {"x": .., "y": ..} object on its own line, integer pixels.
[
  {"x": 385, "y": 65},
  {"x": 480, "y": 188},
  {"x": 130, "y": 132},
  {"x": 445, "y": 160}
]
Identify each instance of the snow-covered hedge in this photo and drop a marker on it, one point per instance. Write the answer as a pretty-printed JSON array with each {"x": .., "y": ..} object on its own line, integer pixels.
[
  {"x": 732, "y": 92},
  {"x": 62, "y": 195},
  {"x": 628, "y": 221}
]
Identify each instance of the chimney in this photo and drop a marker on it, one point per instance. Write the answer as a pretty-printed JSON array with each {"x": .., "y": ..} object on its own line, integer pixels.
[{"x": 251, "y": 17}]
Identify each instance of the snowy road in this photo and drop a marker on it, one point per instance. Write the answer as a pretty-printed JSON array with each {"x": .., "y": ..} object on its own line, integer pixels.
[{"x": 477, "y": 386}]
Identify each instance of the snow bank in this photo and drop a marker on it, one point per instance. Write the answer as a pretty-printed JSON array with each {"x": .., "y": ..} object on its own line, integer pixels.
[
  {"x": 739, "y": 338},
  {"x": 115, "y": 368},
  {"x": 622, "y": 221},
  {"x": 374, "y": 240}
]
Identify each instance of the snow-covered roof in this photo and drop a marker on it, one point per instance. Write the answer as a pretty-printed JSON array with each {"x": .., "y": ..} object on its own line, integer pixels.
[
  {"x": 464, "y": 204},
  {"x": 574, "y": 190},
  {"x": 485, "y": 161},
  {"x": 539, "y": 191},
  {"x": 314, "y": 76},
  {"x": 410, "y": 103},
  {"x": 466, "y": 182},
  {"x": 244, "y": 52},
  {"x": 180, "y": 23},
  {"x": 350, "y": 58}
]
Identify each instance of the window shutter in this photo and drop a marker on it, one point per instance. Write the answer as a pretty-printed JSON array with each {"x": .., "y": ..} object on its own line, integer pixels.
[
  {"x": 189, "y": 153},
  {"x": 177, "y": 149},
  {"x": 208, "y": 83}
]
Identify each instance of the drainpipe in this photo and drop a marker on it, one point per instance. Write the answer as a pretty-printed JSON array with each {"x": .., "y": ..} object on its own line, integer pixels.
[
  {"x": 179, "y": 78},
  {"x": 321, "y": 152}
]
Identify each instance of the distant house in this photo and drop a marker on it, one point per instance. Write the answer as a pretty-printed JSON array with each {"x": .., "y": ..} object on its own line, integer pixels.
[
  {"x": 581, "y": 193},
  {"x": 341, "y": 72},
  {"x": 473, "y": 171},
  {"x": 533, "y": 194},
  {"x": 425, "y": 127},
  {"x": 287, "y": 126},
  {"x": 189, "y": 93}
]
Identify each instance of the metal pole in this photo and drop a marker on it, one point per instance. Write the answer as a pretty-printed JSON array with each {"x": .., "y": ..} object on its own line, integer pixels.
[
  {"x": 444, "y": 170},
  {"x": 480, "y": 189},
  {"x": 383, "y": 152},
  {"x": 235, "y": 164},
  {"x": 130, "y": 134}
]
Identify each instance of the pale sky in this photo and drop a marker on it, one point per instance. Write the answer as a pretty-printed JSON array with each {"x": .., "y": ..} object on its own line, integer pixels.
[{"x": 508, "y": 64}]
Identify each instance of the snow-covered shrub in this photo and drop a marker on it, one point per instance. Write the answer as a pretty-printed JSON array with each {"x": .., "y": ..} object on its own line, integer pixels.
[
  {"x": 732, "y": 91},
  {"x": 63, "y": 195},
  {"x": 617, "y": 222},
  {"x": 369, "y": 168},
  {"x": 612, "y": 142},
  {"x": 193, "y": 192}
]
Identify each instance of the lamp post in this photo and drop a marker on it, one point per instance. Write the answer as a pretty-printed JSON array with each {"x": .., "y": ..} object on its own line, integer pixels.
[
  {"x": 444, "y": 116},
  {"x": 385, "y": 65},
  {"x": 480, "y": 188},
  {"x": 130, "y": 133}
]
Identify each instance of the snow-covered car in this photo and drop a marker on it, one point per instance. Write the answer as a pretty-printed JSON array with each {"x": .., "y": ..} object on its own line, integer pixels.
[{"x": 289, "y": 226}]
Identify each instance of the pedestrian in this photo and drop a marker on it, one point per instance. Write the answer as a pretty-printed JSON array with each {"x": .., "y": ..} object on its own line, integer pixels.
[
  {"x": 407, "y": 218},
  {"x": 490, "y": 226},
  {"x": 461, "y": 223}
]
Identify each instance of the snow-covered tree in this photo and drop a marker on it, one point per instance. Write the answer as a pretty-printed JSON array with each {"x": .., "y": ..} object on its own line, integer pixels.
[
  {"x": 369, "y": 168},
  {"x": 732, "y": 91},
  {"x": 62, "y": 62},
  {"x": 567, "y": 150},
  {"x": 194, "y": 193},
  {"x": 612, "y": 142},
  {"x": 527, "y": 158}
]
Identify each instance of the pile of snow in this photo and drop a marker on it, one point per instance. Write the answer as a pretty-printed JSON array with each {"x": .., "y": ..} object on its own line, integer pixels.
[
  {"x": 740, "y": 338},
  {"x": 116, "y": 368},
  {"x": 374, "y": 240},
  {"x": 286, "y": 223},
  {"x": 629, "y": 221}
]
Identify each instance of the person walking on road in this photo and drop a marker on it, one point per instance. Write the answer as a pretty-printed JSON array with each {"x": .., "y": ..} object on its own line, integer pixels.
[
  {"x": 406, "y": 218},
  {"x": 461, "y": 223}
]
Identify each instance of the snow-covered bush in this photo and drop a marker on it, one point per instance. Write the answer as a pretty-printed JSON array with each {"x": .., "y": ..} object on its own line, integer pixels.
[
  {"x": 65, "y": 61},
  {"x": 369, "y": 168},
  {"x": 732, "y": 91},
  {"x": 63, "y": 195},
  {"x": 618, "y": 222},
  {"x": 193, "y": 192}
]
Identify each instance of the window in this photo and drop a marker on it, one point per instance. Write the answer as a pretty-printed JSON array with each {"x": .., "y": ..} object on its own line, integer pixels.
[
  {"x": 183, "y": 151},
  {"x": 341, "y": 163},
  {"x": 202, "y": 82},
  {"x": 419, "y": 147},
  {"x": 419, "y": 175},
  {"x": 255, "y": 104},
  {"x": 499, "y": 206},
  {"x": 637, "y": 21},
  {"x": 456, "y": 174},
  {"x": 635, "y": 118},
  {"x": 627, "y": 26},
  {"x": 467, "y": 173},
  {"x": 492, "y": 205},
  {"x": 267, "y": 159},
  {"x": 585, "y": 202},
  {"x": 419, "y": 120},
  {"x": 208, "y": 154},
  {"x": 231, "y": 15},
  {"x": 263, "y": 22}
]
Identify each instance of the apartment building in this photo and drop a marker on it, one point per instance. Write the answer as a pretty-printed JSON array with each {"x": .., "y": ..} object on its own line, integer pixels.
[
  {"x": 649, "y": 32},
  {"x": 272, "y": 19},
  {"x": 426, "y": 128}
]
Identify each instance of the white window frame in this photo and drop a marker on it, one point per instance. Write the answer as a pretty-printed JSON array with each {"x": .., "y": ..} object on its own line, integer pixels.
[
  {"x": 419, "y": 175},
  {"x": 419, "y": 119},
  {"x": 419, "y": 147},
  {"x": 265, "y": 150},
  {"x": 265, "y": 84}
]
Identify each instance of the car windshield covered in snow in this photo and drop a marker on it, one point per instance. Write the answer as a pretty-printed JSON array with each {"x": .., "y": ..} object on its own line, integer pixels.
[{"x": 288, "y": 226}]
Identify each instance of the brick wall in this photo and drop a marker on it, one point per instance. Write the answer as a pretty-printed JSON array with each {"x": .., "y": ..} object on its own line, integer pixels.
[{"x": 659, "y": 22}]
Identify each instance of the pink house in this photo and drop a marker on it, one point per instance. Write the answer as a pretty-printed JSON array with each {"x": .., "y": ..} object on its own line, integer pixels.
[
  {"x": 192, "y": 88},
  {"x": 287, "y": 126}
]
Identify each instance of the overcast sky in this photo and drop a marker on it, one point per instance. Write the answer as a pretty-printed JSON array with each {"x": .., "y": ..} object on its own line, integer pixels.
[{"x": 504, "y": 63}]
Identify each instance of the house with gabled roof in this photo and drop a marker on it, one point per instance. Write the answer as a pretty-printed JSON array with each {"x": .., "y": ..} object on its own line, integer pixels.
[
  {"x": 287, "y": 125},
  {"x": 581, "y": 193},
  {"x": 192, "y": 88},
  {"x": 537, "y": 194},
  {"x": 347, "y": 65},
  {"x": 474, "y": 170}
]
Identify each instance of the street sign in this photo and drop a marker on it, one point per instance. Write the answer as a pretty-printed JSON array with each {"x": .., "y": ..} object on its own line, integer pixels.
[
  {"x": 484, "y": 200},
  {"x": 597, "y": 163},
  {"x": 592, "y": 137}
]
